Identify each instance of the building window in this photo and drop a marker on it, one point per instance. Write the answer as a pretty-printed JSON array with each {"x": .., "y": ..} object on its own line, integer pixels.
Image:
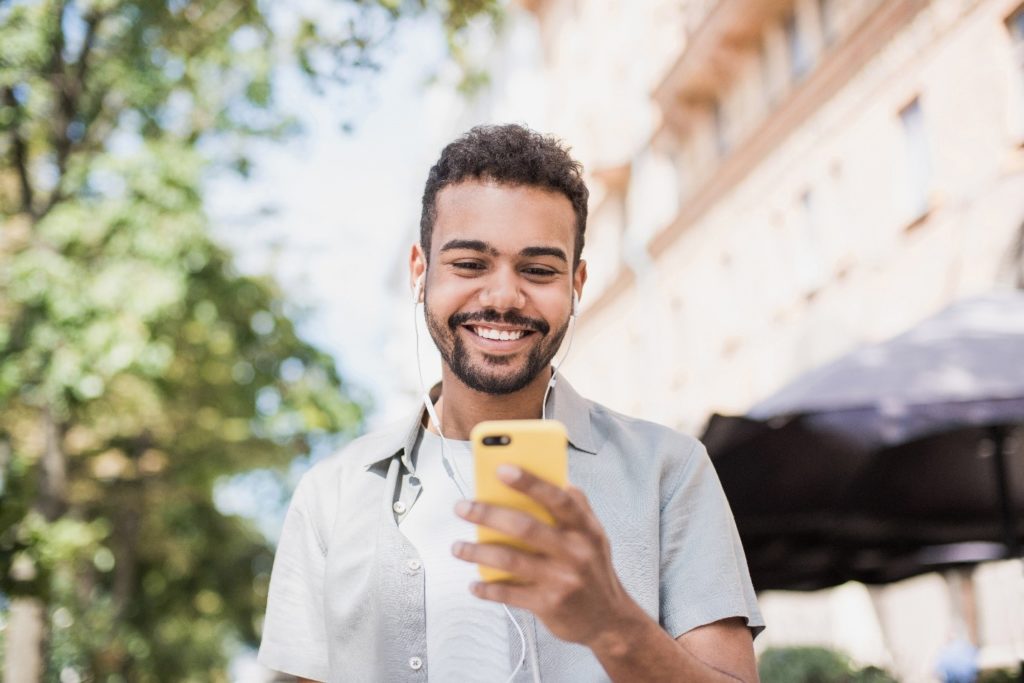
[
  {"x": 796, "y": 45},
  {"x": 918, "y": 168},
  {"x": 721, "y": 128},
  {"x": 827, "y": 17},
  {"x": 683, "y": 165},
  {"x": 771, "y": 95}
]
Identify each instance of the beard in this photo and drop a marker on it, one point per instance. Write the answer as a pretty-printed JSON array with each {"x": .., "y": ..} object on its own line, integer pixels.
[{"x": 486, "y": 376}]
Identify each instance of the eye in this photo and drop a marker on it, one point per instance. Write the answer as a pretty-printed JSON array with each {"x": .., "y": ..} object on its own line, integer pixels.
[
  {"x": 468, "y": 265},
  {"x": 537, "y": 271}
]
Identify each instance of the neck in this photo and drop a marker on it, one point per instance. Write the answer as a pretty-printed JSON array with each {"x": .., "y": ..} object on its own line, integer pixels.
[{"x": 461, "y": 408}]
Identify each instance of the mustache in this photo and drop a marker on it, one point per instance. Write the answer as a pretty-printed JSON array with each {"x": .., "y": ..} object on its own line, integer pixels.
[{"x": 492, "y": 316}]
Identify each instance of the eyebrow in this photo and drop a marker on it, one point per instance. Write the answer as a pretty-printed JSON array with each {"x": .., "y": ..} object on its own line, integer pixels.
[
  {"x": 472, "y": 245},
  {"x": 544, "y": 251},
  {"x": 484, "y": 247}
]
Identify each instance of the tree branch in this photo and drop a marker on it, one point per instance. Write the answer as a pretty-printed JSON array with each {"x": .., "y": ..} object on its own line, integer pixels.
[
  {"x": 102, "y": 123},
  {"x": 92, "y": 24},
  {"x": 59, "y": 81},
  {"x": 127, "y": 518},
  {"x": 52, "y": 495},
  {"x": 19, "y": 150},
  {"x": 70, "y": 92}
]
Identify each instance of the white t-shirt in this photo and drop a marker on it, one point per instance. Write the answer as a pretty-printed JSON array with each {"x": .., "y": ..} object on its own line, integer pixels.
[{"x": 467, "y": 638}]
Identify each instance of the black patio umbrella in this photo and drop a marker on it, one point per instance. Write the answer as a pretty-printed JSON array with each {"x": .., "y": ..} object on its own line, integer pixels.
[{"x": 897, "y": 459}]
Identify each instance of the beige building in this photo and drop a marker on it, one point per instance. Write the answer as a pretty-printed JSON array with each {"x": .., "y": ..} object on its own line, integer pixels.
[{"x": 774, "y": 183}]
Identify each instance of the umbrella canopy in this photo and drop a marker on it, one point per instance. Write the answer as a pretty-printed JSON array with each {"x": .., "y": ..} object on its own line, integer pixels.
[
  {"x": 897, "y": 459},
  {"x": 962, "y": 367}
]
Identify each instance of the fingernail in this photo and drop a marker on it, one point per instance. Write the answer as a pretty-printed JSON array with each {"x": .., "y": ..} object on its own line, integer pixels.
[
  {"x": 462, "y": 507},
  {"x": 457, "y": 547},
  {"x": 508, "y": 473}
]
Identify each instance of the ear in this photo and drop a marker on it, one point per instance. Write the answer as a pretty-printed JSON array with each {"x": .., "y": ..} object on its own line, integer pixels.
[
  {"x": 579, "y": 278},
  {"x": 417, "y": 271}
]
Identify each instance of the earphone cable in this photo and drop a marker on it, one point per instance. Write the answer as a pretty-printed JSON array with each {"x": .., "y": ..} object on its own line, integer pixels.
[
  {"x": 554, "y": 371},
  {"x": 455, "y": 476}
]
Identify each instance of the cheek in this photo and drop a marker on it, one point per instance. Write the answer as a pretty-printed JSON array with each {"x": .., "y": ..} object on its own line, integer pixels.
[
  {"x": 555, "y": 306},
  {"x": 448, "y": 296}
]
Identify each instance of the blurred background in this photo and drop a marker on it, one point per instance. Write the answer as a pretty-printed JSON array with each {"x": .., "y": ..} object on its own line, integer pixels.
[{"x": 206, "y": 212}]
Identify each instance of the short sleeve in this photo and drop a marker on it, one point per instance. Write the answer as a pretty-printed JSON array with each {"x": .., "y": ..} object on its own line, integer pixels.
[
  {"x": 704, "y": 575},
  {"x": 294, "y": 630}
]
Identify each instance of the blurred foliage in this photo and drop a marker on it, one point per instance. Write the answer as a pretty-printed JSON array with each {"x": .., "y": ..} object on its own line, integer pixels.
[
  {"x": 137, "y": 367},
  {"x": 160, "y": 371},
  {"x": 999, "y": 676},
  {"x": 815, "y": 665}
]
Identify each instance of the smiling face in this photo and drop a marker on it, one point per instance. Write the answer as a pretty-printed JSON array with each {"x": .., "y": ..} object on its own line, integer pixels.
[{"x": 499, "y": 287}]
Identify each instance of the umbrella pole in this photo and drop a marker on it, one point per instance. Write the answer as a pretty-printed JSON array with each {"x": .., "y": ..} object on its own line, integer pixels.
[{"x": 1006, "y": 502}]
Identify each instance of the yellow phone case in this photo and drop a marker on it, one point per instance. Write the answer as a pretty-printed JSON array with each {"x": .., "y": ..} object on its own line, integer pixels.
[{"x": 537, "y": 446}]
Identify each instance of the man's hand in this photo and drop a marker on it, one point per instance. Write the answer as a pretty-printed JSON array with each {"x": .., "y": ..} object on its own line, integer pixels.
[{"x": 568, "y": 582}]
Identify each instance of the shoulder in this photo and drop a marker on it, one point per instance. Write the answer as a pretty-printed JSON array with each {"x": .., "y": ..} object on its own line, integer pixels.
[
  {"x": 364, "y": 450},
  {"x": 320, "y": 487},
  {"x": 650, "y": 457},
  {"x": 653, "y": 438}
]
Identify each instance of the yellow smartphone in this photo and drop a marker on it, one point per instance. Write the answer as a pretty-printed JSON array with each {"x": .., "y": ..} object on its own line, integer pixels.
[{"x": 540, "y": 447}]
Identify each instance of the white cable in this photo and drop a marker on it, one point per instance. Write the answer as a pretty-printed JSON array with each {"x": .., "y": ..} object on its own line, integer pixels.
[
  {"x": 522, "y": 642},
  {"x": 451, "y": 468},
  {"x": 568, "y": 348},
  {"x": 455, "y": 476}
]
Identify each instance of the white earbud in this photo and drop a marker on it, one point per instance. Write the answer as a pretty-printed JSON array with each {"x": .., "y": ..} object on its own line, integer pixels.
[{"x": 575, "y": 303}]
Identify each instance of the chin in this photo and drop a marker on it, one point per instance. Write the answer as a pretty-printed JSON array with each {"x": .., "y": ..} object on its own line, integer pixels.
[{"x": 479, "y": 379}]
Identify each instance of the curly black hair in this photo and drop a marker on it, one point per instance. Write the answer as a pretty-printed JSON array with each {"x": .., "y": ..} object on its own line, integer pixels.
[{"x": 510, "y": 155}]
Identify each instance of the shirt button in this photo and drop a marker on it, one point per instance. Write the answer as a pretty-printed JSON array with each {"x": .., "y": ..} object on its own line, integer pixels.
[
  {"x": 415, "y": 663},
  {"x": 399, "y": 507},
  {"x": 414, "y": 565}
]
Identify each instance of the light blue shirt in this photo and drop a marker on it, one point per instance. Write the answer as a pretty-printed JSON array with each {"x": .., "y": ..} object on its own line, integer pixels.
[
  {"x": 347, "y": 592},
  {"x": 467, "y": 638}
]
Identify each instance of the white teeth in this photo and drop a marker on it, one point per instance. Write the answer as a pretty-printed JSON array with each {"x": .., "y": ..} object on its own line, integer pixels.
[{"x": 500, "y": 335}]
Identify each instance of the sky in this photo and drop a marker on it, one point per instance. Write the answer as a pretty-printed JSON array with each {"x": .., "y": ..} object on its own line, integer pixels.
[{"x": 345, "y": 211}]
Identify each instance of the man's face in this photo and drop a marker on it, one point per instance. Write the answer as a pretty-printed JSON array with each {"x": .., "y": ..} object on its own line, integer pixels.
[{"x": 499, "y": 286}]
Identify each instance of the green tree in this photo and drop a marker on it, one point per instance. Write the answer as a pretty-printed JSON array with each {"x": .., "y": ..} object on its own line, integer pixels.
[{"x": 137, "y": 368}]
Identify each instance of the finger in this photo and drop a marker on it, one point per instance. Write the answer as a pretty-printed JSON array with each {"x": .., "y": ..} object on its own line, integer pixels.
[
  {"x": 592, "y": 523},
  {"x": 562, "y": 506},
  {"x": 526, "y": 566},
  {"x": 510, "y": 594},
  {"x": 519, "y": 525}
]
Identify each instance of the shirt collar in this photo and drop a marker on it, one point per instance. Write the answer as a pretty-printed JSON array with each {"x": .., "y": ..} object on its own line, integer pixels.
[
  {"x": 399, "y": 438},
  {"x": 573, "y": 411}
]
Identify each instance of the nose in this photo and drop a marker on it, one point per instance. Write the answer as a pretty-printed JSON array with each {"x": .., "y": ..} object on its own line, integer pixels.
[{"x": 501, "y": 291}]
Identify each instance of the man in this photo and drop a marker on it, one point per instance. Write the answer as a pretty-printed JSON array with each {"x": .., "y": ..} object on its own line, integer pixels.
[{"x": 642, "y": 578}]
